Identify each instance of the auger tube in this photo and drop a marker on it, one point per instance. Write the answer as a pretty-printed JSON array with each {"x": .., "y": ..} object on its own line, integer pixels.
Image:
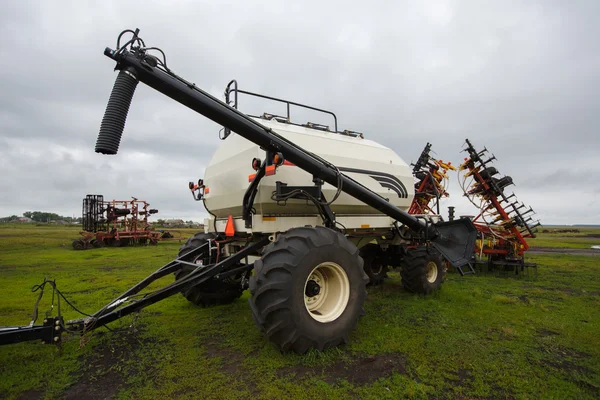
[
  {"x": 219, "y": 112},
  {"x": 455, "y": 239}
]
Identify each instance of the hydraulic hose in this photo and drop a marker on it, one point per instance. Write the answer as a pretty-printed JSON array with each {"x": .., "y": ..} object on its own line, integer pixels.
[{"x": 115, "y": 115}]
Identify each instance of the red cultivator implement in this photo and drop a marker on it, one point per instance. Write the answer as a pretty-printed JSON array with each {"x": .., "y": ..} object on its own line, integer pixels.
[
  {"x": 116, "y": 223},
  {"x": 503, "y": 224},
  {"x": 431, "y": 183}
]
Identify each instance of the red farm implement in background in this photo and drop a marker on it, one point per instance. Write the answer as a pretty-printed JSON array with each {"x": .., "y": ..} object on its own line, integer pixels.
[{"x": 116, "y": 223}]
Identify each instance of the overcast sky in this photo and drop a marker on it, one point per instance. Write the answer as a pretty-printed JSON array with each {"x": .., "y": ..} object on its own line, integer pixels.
[{"x": 519, "y": 77}]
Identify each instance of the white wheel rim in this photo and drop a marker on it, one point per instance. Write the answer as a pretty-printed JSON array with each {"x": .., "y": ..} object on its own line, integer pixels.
[
  {"x": 432, "y": 271},
  {"x": 334, "y": 292}
]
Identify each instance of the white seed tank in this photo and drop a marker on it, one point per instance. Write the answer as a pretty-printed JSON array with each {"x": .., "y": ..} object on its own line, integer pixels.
[{"x": 375, "y": 166}]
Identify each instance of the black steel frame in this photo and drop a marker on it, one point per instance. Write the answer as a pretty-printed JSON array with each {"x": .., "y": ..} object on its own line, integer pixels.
[
  {"x": 92, "y": 212},
  {"x": 49, "y": 332},
  {"x": 250, "y": 195},
  {"x": 248, "y": 201}
]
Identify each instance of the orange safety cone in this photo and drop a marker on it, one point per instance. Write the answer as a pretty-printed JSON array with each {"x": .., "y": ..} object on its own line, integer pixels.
[{"x": 230, "y": 227}]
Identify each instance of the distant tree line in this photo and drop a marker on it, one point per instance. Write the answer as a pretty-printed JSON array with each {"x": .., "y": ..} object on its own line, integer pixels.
[
  {"x": 8, "y": 219},
  {"x": 41, "y": 216},
  {"x": 175, "y": 223},
  {"x": 45, "y": 217}
]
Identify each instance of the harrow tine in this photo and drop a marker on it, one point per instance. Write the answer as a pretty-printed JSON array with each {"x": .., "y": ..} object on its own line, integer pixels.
[
  {"x": 505, "y": 199},
  {"x": 489, "y": 160},
  {"x": 528, "y": 211},
  {"x": 516, "y": 205}
]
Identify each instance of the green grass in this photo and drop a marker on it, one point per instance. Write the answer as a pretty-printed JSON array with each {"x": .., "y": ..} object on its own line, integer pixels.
[
  {"x": 581, "y": 240},
  {"x": 479, "y": 337}
]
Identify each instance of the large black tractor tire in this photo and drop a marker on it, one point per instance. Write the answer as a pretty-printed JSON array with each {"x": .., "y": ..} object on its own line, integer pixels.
[
  {"x": 375, "y": 266},
  {"x": 213, "y": 291},
  {"x": 308, "y": 289},
  {"x": 423, "y": 270}
]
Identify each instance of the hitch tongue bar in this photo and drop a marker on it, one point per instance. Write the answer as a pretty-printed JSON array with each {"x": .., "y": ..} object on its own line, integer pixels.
[{"x": 116, "y": 303}]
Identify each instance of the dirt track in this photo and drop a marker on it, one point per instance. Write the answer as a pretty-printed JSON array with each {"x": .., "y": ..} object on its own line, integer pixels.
[{"x": 555, "y": 250}]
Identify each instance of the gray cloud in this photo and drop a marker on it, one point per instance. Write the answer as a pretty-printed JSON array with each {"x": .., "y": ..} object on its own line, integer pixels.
[{"x": 519, "y": 78}]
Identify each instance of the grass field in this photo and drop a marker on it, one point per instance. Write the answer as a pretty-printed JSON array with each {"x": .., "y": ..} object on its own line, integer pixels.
[{"x": 479, "y": 337}]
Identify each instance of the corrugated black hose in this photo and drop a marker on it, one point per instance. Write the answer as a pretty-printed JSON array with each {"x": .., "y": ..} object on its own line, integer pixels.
[{"x": 115, "y": 115}]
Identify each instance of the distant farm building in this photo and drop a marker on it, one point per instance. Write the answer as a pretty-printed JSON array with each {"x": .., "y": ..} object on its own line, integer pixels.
[{"x": 175, "y": 223}]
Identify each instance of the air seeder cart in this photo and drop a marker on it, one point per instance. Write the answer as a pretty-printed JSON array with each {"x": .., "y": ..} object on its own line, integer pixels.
[{"x": 297, "y": 211}]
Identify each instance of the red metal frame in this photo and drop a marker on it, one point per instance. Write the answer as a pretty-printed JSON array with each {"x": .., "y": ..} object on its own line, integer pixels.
[
  {"x": 134, "y": 227},
  {"x": 120, "y": 223},
  {"x": 503, "y": 238},
  {"x": 431, "y": 174}
]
